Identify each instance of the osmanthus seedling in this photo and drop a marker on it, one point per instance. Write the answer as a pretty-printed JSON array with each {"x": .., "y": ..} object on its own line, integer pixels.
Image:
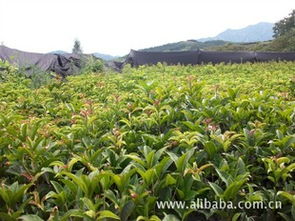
[{"x": 109, "y": 146}]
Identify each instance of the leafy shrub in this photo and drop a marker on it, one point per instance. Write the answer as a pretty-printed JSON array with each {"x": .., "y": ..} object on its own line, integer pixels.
[
  {"x": 284, "y": 43},
  {"x": 34, "y": 78},
  {"x": 7, "y": 71},
  {"x": 93, "y": 65}
]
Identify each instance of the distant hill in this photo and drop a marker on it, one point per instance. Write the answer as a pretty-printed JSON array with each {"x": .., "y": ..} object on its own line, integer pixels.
[
  {"x": 253, "y": 33},
  {"x": 188, "y": 45},
  {"x": 98, "y": 55},
  {"x": 106, "y": 57},
  {"x": 58, "y": 52}
]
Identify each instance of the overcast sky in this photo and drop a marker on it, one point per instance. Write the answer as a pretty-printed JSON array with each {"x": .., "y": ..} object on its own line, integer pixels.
[{"x": 116, "y": 26}]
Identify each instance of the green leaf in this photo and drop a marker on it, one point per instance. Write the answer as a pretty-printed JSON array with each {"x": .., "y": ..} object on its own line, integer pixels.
[
  {"x": 58, "y": 188},
  {"x": 88, "y": 203},
  {"x": 148, "y": 175},
  {"x": 169, "y": 180},
  {"x": 283, "y": 160},
  {"x": 290, "y": 168},
  {"x": 290, "y": 142},
  {"x": 107, "y": 214},
  {"x": 78, "y": 181},
  {"x": 285, "y": 217},
  {"x": 181, "y": 162},
  {"x": 233, "y": 189},
  {"x": 136, "y": 159},
  {"x": 210, "y": 148},
  {"x": 288, "y": 196},
  {"x": 127, "y": 210},
  {"x": 72, "y": 162},
  {"x": 222, "y": 176},
  {"x": 73, "y": 213},
  {"x": 30, "y": 218},
  {"x": 236, "y": 217},
  {"x": 173, "y": 156},
  {"x": 217, "y": 189},
  {"x": 170, "y": 217},
  {"x": 280, "y": 135},
  {"x": 154, "y": 218}
]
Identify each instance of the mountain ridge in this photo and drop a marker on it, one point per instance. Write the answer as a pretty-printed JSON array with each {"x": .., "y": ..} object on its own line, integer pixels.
[{"x": 262, "y": 31}]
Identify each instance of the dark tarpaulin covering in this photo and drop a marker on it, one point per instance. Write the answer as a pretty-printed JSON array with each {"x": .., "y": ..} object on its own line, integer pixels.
[
  {"x": 64, "y": 66},
  {"x": 61, "y": 64},
  {"x": 275, "y": 56},
  {"x": 25, "y": 59},
  {"x": 137, "y": 58},
  {"x": 216, "y": 57},
  {"x": 115, "y": 65},
  {"x": 68, "y": 64}
]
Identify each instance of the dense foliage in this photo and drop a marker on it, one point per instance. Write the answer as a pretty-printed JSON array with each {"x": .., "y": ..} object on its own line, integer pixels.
[
  {"x": 108, "y": 146},
  {"x": 285, "y": 43},
  {"x": 254, "y": 46},
  {"x": 285, "y": 25},
  {"x": 189, "y": 45}
]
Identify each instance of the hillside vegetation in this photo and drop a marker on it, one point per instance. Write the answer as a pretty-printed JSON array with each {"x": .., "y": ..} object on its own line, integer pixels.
[
  {"x": 110, "y": 146},
  {"x": 190, "y": 45},
  {"x": 285, "y": 43}
]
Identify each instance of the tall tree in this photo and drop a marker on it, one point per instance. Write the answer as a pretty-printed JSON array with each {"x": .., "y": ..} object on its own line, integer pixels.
[
  {"x": 285, "y": 25},
  {"x": 77, "y": 47}
]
